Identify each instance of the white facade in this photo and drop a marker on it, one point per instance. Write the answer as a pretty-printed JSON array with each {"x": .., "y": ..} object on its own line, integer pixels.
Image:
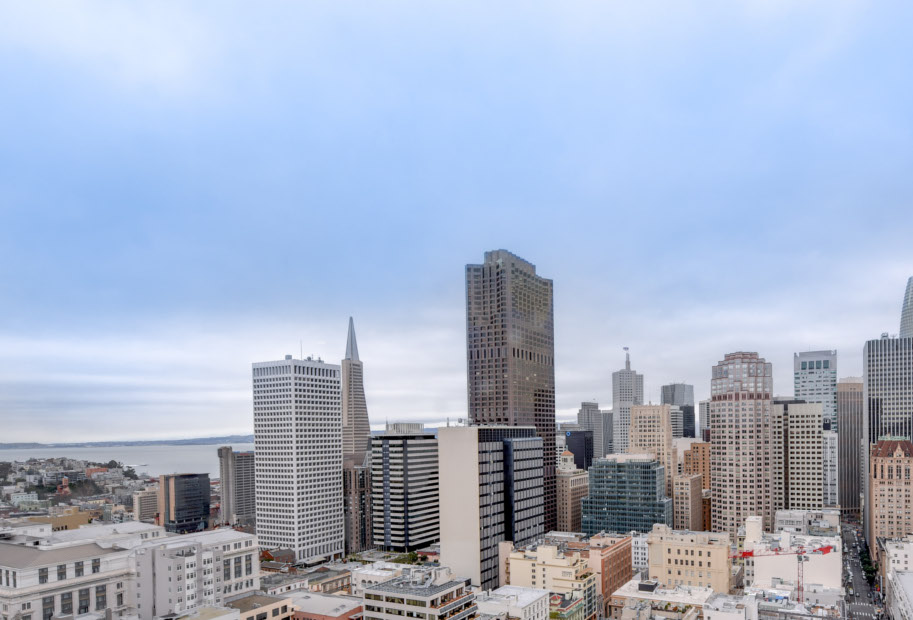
[
  {"x": 831, "y": 471},
  {"x": 898, "y": 554},
  {"x": 373, "y": 574},
  {"x": 703, "y": 416},
  {"x": 775, "y": 560},
  {"x": 298, "y": 457},
  {"x": 640, "y": 552},
  {"x": 797, "y": 459},
  {"x": 815, "y": 381},
  {"x": 179, "y": 574},
  {"x": 515, "y": 601},
  {"x": 430, "y": 593},
  {"x": 899, "y": 593},
  {"x": 627, "y": 391}
]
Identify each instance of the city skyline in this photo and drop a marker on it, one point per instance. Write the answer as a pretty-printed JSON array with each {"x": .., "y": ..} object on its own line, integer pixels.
[{"x": 175, "y": 202}]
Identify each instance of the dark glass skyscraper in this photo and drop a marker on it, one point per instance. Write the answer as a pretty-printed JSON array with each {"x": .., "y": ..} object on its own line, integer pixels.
[
  {"x": 580, "y": 443},
  {"x": 849, "y": 437},
  {"x": 510, "y": 353},
  {"x": 184, "y": 501}
]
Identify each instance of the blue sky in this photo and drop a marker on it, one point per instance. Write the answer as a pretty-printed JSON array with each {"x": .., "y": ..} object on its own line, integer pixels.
[{"x": 187, "y": 188}]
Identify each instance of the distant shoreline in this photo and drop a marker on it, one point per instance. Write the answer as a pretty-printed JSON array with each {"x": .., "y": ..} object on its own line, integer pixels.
[{"x": 197, "y": 441}]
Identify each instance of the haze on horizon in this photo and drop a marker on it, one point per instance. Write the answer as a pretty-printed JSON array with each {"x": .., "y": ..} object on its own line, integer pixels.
[{"x": 186, "y": 189}]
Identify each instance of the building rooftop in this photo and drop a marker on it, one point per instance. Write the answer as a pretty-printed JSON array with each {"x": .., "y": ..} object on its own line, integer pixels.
[
  {"x": 324, "y": 604},
  {"x": 512, "y": 595},
  {"x": 419, "y": 582},
  {"x": 271, "y": 580},
  {"x": 683, "y": 595},
  {"x": 249, "y": 602},
  {"x": 25, "y": 556}
]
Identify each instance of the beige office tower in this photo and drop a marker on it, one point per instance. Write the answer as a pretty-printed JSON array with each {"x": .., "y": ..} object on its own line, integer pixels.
[
  {"x": 573, "y": 485},
  {"x": 687, "y": 510},
  {"x": 849, "y": 438},
  {"x": 797, "y": 455},
  {"x": 891, "y": 507},
  {"x": 356, "y": 431},
  {"x": 510, "y": 353},
  {"x": 651, "y": 432},
  {"x": 741, "y": 386},
  {"x": 697, "y": 461},
  {"x": 627, "y": 391}
]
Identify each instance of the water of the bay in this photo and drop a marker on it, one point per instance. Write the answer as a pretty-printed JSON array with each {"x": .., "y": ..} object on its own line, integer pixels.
[{"x": 154, "y": 460}]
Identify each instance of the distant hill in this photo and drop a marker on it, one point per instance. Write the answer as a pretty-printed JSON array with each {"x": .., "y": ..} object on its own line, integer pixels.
[{"x": 196, "y": 441}]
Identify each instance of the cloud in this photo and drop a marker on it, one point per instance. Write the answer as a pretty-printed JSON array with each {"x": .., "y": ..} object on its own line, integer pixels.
[{"x": 153, "y": 46}]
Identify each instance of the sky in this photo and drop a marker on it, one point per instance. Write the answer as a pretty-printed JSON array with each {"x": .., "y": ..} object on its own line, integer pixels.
[{"x": 186, "y": 188}]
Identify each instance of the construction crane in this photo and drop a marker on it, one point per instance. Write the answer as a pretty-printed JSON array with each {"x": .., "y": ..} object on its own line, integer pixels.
[{"x": 802, "y": 558}]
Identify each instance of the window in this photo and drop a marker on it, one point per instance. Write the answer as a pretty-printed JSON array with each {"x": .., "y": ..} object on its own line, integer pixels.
[
  {"x": 61, "y": 572},
  {"x": 101, "y": 597},
  {"x": 96, "y": 566},
  {"x": 42, "y": 575},
  {"x": 66, "y": 603},
  {"x": 79, "y": 569},
  {"x": 47, "y": 607},
  {"x": 84, "y": 601}
]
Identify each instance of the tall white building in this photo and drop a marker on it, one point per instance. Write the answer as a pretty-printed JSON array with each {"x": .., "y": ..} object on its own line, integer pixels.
[
  {"x": 906, "y": 312},
  {"x": 356, "y": 430},
  {"x": 815, "y": 381},
  {"x": 796, "y": 456},
  {"x": 236, "y": 482},
  {"x": 298, "y": 447},
  {"x": 703, "y": 415},
  {"x": 740, "y": 412},
  {"x": 831, "y": 469},
  {"x": 627, "y": 391}
]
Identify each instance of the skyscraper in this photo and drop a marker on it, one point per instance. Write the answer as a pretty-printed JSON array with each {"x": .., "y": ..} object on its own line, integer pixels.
[
  {"x": 510, "y": 353},
  {"x": 677, "y": 394},
  {"x": 651, "y": 432},
  {"x": 906, "y": 312},
  {"x": 703, "y": 423},
  {"x": 815, "y": 381},
  {"x": 592, "y": 418},
  {"x": 627, "y": 492},
  {"x": 184, "y": 501},
  {"x": 357, "y": 502},
  {"x": 849, "y": 437},
  {"x": 573, "y": 484},
  {"x": 887, "y": 397},
  {"x": 236, "y": 479},
  {"x": 831, "y": 469},
  {"x": 405, "y": 488},
  {"x": 627, "y": 391},
  {"x": 796, "y": 455},
  {"x": 298, "y": 457},
  {"x": 740, "y": 410},
  {"x": 491, "y": 492},
  {"x": 580, "y": 443},
  {"x": 356, "y": 431}
]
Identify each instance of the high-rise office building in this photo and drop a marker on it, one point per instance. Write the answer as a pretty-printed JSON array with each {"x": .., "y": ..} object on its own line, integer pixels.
[
  {"x": 740, "y": 408},
  {"x": 651, "y": 432},
  {"x": 696, "y": 460},
  {"x": 356, "y": 431},
  {"x": 573, "y": 484},
  {"x": 703, "y": 423},
  {"x": 796, "y": 455},
  {"x": 236, "y": 478},
  {"x": 145, "y": 505},
  {"x": 677, "y": 394},
  {"x": 687, "y": 505},
  {"x": 831, "y": 469},
  {"x": 592, "y": 418},
  {"x": 887, "y": 398},
  {"x": 815, "y": 381},
  {"x": 298, "y": 457},
  {"x": 888, "y": 502},
  {"x": 510, "y": 347},
  {"x": 627, "y": 391},
  {"x": 357, "y": 502},
  {"x": 491, "y": 492},
  {"x": 405, "y": 488},
  {"x": 677, "y": 417},
  {"x": 689, "y": 424},
  {"x": 580, "y": 443},
  {"x": 849, "y": 437},
  {"x": 184, "y": 502},
  {"x": 627, "y": 493},
  {"x": 906, "y": 312}
]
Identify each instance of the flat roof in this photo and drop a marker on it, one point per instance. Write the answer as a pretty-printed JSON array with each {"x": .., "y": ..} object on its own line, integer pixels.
[
  {"x": 253, "y": 601},
  {"x": 323, "y": 604},
  {"x": 29, "y": 556},
  {"x": 686, "y": 595},
  {"x": 514, "y": 595}
]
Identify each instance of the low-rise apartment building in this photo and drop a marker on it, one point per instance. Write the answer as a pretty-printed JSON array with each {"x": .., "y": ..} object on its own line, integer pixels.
[
  {"x": 429, "y": 593},
  {"x": 558, "y": 569},
  {"x": 515, "y": 603}
]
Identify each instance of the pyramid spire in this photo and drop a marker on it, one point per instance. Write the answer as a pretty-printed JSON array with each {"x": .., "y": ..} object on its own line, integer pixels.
[
  {"x": 351, "y": 344},
  {"x": 906, "y": 313}
]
